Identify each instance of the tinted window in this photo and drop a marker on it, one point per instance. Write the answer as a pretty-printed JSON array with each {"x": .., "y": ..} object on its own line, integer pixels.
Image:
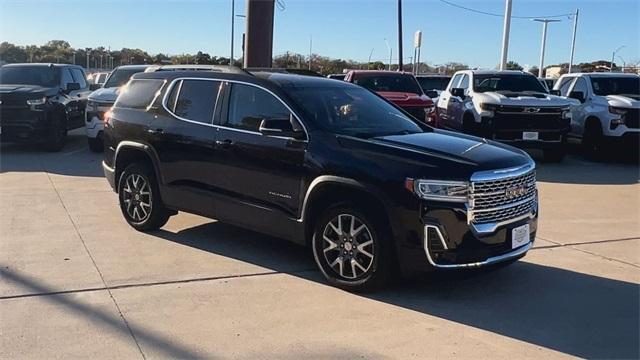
[
  {"x": 351, "y": 111},
  {"x": 433, "y": 83},
  {"x": 30, "y": 75},
  {"x": 391, "y": 83},
  {"x": 464, "y": 83},
  {"x": 581, "y": 85},
  {"x": 138, "y": 94},
  {"x": 196, "y": 100},
  {"x": 455, "y": 81},
  {"x": 564, "y": 86},
  {"x": 66, "y": 77},
  {"x": 248, "y": 105},
  {"x": 616, "y": 85},
  {"x": 120, "y": 77},
  {"x": 507, "y": 83},
  {"x": 101, "y": 78},
  {"x": 78, "y": 76}
]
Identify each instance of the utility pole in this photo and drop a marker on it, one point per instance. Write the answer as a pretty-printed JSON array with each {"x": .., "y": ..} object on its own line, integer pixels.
[
  {"x": 399, "y": 35},
  {"x": 573, "y": 39},
  {"x": 310, "y": 44},
  {"x": 390, "y": 52},
  {"x": 505, "y": 34},
  {"x": 258, "y": 50},
  {"x": 614, "y": 55},
  {"x": 233, "y": 16},
  {"x": 544, "y": 22},
  {"x": 88, "y": 61},
  {"x": 74, "y": 58},
  {"x": 369, "y": 61}
]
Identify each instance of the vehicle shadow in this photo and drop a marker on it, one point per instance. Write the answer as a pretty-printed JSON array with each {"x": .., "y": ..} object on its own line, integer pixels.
[
  {"x": 74, "y": 160},
  {"x": 574, "y": 313}
]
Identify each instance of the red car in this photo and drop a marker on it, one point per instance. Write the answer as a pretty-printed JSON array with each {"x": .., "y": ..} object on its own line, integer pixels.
[{"x": 400, "y": 88}]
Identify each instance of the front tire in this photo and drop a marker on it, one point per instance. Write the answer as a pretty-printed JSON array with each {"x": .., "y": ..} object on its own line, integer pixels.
[
  {"x": 95, "y": 144},
  {"x": 351, "y": 248},
  {"x": 592, "y": 140},
  {"x": 139, "y": 197},
  {"x": 57, "y": 138}
]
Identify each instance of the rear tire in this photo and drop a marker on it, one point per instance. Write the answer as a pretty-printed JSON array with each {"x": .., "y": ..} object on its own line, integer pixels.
[
  {"x": 139, "y": 197},
  {"x": 592, "y": 140},
  {"x": 95, "y": 144},
  {"x": 352, "y": 248}
]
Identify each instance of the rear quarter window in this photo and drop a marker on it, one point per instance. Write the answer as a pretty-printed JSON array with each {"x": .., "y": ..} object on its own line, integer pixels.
[{"x": 139, "y": 94}]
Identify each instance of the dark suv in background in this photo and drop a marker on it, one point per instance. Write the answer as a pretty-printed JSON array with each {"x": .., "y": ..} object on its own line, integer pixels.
[
  {"x": 318, "y": 162},
  {"x": 40, "y": 102}
]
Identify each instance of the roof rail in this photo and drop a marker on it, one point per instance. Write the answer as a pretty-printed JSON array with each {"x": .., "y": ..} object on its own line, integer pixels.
[
  {"x": 284, "y": 71},
  {"x": 200, "y": 67}
]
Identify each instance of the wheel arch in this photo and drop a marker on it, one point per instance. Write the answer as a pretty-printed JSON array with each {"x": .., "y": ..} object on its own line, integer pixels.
[{"x": 129, "y": 152}]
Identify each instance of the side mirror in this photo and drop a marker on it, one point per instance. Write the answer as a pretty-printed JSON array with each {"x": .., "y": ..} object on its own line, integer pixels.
[
  {"x": 281, "y": 127},
  {"x": 93, "y": 87},
  {"x": 431, "y": 93},
  {"x": 554, "y": 92},
  {"x": 72, "y": 87},
  {"x": 578, "y": 95},
  {"x": 459, "y": 92}
]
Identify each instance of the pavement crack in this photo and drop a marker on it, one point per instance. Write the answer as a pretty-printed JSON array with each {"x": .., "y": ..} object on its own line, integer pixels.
[
  {"x": 573, "y": 246},
  {"x": 84, "y": 244}
]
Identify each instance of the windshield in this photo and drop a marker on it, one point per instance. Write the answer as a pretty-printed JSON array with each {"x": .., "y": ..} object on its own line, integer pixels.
[
  {"x": 391, "y": 83},
  {"x": 120, "y": 77},
  {"x": 433, "y": 83},
  {"x": 507, "y": 83},
  {"x": 351, "y": 111},
  {"x": 30, "y": 75},
  {"x": 615, "y": 85}
]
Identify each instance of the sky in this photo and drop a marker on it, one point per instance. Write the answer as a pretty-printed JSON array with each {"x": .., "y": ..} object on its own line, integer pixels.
[{"x": 347, "y": 29}]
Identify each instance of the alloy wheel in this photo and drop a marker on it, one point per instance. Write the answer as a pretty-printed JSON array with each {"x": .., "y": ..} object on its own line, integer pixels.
[
  {"x": 348, "y": 246},
  {"x": 137, "y": 197}
]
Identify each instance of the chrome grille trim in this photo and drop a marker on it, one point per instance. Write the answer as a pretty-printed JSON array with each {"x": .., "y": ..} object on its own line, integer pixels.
[{"x": 489, "y": 199}]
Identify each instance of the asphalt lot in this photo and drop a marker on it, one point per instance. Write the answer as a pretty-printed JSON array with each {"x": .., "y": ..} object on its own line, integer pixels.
[{"x": 77, "y": 281}]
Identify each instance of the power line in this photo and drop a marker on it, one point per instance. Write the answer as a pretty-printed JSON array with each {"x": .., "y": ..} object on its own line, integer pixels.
[{"x": 502, "y": 15}]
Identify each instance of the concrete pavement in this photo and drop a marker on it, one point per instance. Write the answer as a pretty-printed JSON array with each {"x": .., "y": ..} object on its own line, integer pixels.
[{"x": 76, "y": 281}]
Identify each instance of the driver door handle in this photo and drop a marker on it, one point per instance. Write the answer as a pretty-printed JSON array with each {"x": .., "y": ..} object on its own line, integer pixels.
[
  {"x": 224, "y": 143},
  {"x": 156, "y": 131}
]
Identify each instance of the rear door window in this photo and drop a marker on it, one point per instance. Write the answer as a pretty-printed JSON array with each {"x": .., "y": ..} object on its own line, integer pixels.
[
  {"x": 195, "y": 100},
  {"x": 139, "y": 94}
]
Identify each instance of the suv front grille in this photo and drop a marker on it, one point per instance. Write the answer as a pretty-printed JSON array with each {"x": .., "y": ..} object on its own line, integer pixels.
[
  {"x": 502, "y": 199},
  {"x": 518, "y": 118}
]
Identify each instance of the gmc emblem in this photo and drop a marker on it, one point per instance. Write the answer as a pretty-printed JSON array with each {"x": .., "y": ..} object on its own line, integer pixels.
[
  {"x": 515, "y": 192},
  {"x": 531, "y": 110}
]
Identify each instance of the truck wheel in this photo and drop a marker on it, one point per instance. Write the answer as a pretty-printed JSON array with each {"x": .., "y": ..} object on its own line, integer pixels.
[
  {"x": 95, "y": 144},
  {"x": 139, "y": 197},
  {"x": 592, "y": 139},
  {"x": 468, "y": 124},
  {"x": 351, "y": 248},
  {"x": 57, "y": 137}
]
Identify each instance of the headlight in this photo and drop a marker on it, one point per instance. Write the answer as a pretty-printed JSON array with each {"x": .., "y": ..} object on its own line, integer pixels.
[
  {"x": 488, "y": 107},
  {"x": 566, "y": 113},
  {"x": 617, "y": 110},
  {"x": 34, "y": 102},
  {"x": 455, "y": 191}
]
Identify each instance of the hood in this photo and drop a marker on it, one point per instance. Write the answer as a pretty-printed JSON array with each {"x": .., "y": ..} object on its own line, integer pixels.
[
  {"x": 461, "y": 154},
  {"x": 626, "y": 101},
  {"x": 405, "y": 98},
  {"x": 520, "y": 99},
  {"x": 105, "y": 94},
  {"x": 8, "y": 91}
]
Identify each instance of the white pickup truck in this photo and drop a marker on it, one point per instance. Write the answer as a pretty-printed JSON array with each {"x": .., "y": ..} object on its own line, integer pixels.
[
  {"x": 507, "y": 106},
  {"x": 605, "y": 108}
]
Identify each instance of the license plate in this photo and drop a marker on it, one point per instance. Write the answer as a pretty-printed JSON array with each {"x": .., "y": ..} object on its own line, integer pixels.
[
  {"x": 520, "y": 236},
  {"x": 530, "y": 135}
]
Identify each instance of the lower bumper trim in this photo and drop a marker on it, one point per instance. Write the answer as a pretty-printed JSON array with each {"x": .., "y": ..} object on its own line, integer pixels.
[{"x": 492, "y": 260}]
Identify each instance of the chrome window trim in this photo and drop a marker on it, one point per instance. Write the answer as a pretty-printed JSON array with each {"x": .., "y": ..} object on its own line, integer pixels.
[
  {"x": 227, "y": 81},
  {"x": 167, "y": 93}
]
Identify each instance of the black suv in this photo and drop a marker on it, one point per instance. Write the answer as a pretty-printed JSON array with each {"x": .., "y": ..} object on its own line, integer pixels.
[
  {"x": 318, "y": 162},
  {"x": 40, "y": 102}
]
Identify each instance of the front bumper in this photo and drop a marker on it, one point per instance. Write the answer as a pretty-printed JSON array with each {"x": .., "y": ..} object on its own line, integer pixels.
[
  {"x": 551, "y": 132},
  {"x": 25, "y": 126}
]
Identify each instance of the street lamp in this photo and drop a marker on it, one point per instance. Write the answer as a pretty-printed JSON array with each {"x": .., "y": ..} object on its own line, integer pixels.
[
  {"x": 369, "y": 62},
  {"x": 390, "y": 52},
  {"x": 614, "y": 55},
  {"x": 624, "y": 63},
  {"x": 544, "y": 22}
]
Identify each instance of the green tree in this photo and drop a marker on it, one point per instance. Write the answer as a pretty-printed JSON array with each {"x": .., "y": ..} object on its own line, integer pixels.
[
  {"x": 10, "y": 53},
  {"x": 512, "y": 65}
]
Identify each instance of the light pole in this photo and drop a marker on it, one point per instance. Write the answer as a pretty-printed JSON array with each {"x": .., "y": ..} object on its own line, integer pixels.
[
  {"x": 505, "y": 34},
  {"x": 399, "y": 35},
  {"x": 624, "y": 63},
  {"x": 369, "y": 61},
  {"x": 614, "y": 55},
  {"x": 390, "y": 52},
  {"x": 544, "y": 22},
  {"x": 573, "y": 39},
  {"x": 310, "y": 45},
  {"x": 233, "y": 17}
]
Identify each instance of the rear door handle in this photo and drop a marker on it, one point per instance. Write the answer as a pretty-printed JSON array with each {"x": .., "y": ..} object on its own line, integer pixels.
[
  {"x": 156, "y": 131},
  {"x": 224, "y": 143}
]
